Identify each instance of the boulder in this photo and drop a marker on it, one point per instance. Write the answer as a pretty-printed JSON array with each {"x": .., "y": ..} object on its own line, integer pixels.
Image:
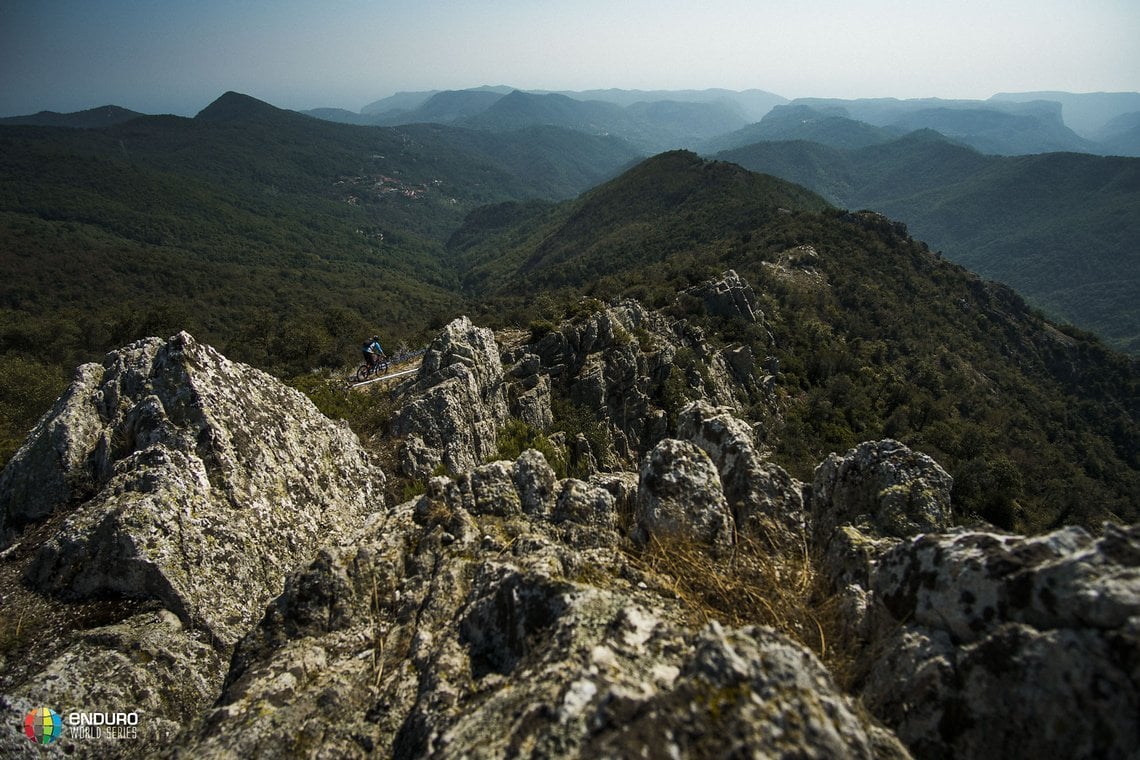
[
  {"x": 679, "y": 497},
  {"x": 535, "y": 482},
  {"x": 764, "y": 498},
  {"x": 182, "y": 482},
  {"x": 196, "y": 481},
  {"x": 883, "y": 488},
  {"x": 992, "y": 645},
  {"x": 457, "y": 403}
]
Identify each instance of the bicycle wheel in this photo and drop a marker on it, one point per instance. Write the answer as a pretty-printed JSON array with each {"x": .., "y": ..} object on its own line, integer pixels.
[{"x": 363, "y": 373}]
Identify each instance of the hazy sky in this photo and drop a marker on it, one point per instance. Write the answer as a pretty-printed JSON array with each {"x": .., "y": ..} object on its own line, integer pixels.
[{"x": 175, "y": 56}]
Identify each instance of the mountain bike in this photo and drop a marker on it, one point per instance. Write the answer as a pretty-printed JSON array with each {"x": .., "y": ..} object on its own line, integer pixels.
[{"x": 367, "y": 370}]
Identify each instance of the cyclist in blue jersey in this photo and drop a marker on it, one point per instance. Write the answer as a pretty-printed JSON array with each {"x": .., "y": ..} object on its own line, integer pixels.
[{"x": 372, "y": 351}]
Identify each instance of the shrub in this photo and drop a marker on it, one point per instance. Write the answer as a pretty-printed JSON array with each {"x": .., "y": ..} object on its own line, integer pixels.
[{"x": 517, "y": 436}]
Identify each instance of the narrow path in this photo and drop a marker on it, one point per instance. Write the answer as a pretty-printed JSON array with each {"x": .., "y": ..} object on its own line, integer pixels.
[
  {"x": 407, "y": 367},
  {"x": 389, "y": 376}
]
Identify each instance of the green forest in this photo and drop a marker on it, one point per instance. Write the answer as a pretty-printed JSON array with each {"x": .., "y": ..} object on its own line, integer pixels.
[
  {"x": 283, "y": 241},
  {"x": 1060, "y": 228}
]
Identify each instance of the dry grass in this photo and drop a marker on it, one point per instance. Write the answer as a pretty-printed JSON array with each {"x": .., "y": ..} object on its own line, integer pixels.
[
  {"x": 35, "y": 627},
  {"x": 770, "y": 580}
]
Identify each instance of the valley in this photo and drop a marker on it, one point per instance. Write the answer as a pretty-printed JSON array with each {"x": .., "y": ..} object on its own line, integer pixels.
[{"x": 694, "y": 460}]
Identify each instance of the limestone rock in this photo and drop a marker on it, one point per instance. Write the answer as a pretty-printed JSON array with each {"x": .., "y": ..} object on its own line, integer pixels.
[
  {"x": 528, "y": 388},
  {"x": 881, "y": 486},
  {"x": 535, "y": 481},
  {"x": 425, "y": 648},
  {"x": 457, "y": 402},
  {"x": 680, "y": 497},
  {"x": 146, "y": 664},
  {"x": 762, "y": 495},
  {"x": 967, "y": 584},
  {"x": 617, "y": 362},
  {"x": 1006, "y": 645},
  {"x": 205, "y": 479},
  {"x": 179, "y": 480},
  {"x": 728, "y": 296}
]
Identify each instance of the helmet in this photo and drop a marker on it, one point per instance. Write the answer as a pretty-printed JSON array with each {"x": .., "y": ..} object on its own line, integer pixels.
[{"x": 376, "y": 338}]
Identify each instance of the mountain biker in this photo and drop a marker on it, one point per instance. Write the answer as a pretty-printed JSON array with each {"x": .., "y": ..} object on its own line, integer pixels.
[{"x": 372, "y": 351}]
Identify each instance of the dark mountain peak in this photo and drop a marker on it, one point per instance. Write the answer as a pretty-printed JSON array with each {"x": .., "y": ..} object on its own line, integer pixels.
[
  {"x": 236, "y": 107},
  {"x": 660, "y": 183},
  {"x": 680, "y": 195},
  {"x": 92, "y": 118}
]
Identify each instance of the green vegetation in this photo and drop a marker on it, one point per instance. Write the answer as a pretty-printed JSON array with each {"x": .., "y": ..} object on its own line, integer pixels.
[
  {"x": 875, "y": 336},
  {"x": 1060, "y": 228},
  {"x": 282, "y": 240},
  {"x": 518, "y": 436}
]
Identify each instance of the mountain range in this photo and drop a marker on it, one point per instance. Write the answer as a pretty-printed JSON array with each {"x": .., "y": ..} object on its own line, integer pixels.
[
  {"x": 1067, "y": 246},
  {"x": 284, "y": 238},
  {"x": 1061, "y": 228},
  {"x": 690, "y": 460},
  {"x": 1006, "y": 124}
]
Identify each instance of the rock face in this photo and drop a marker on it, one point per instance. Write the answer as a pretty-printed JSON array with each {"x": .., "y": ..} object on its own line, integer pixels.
[
  {"x": 883, "y": 486},
  {"x": 1010, "y": 646},
  {"x": 680, "y": 498},
  {"x": 460, "y": 626},
  {"x": 219, "y": 561},
  {"x": 763, "y": 497},
  {"x": 729, "y": 296},
  {"x": 457, "y": 403},
  {"x": 978, "y": 644},
  {"x": 173, "y": 475}
]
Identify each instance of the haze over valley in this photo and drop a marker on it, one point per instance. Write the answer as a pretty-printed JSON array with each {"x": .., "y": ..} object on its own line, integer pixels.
[{"x": 758, "y": 379}]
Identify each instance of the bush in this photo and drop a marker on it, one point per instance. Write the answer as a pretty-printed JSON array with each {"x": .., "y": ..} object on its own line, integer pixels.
[{"x": 518, "y": 436}]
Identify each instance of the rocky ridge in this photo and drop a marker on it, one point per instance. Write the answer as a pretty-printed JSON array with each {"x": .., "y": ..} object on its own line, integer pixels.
[{"x": 267, "y": 602}]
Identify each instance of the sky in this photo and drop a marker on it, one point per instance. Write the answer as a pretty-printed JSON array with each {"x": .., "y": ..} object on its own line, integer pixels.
[{"x": 176, "y": 56}]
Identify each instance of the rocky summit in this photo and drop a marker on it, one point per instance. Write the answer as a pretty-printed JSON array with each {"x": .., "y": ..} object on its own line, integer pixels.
[{"x": 190, "y": 544}]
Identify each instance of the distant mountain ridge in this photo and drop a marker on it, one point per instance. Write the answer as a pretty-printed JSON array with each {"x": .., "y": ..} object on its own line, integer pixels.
[
  {"x": 708, "y": 120},
  {"x": 995, "y": 127},
  {"x": 92, "y": 118},
  {"x": 1061, "y": 228},
  {"x": 1085, "y": 113},
  {"x": 753, "y": 103},
  {"x": 650, "y": 126}
]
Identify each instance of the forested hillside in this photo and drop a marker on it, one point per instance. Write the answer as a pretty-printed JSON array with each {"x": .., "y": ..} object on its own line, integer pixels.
[
  {"x": 868, "y": 333},
  {"x": 284, "y": 239},
  {"x": 1060, "y": 228},
  {"x": 280, "y": 238}
]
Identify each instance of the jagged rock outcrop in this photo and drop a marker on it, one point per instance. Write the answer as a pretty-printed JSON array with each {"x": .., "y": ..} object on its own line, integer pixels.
[
  {"x": 453, "y": 409},
  {"x": 680, "y": 498},
  {"x": 627, "y": 365},
  {"x": 728, "y": 296},
  {"x": 999, "y": 646},
  {"x": 976, "y": 644},
  {"x": 173, "y": 475},
  {"x": 882, "y": 486},
  {"x": 458, "y": 626},
  {"x": 763, "y": 496}
]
